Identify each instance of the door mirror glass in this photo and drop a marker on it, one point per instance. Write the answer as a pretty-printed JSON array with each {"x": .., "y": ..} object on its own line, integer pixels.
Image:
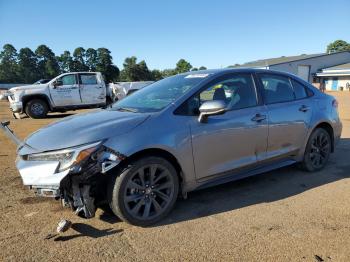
[{"x": 211, "y": 108}]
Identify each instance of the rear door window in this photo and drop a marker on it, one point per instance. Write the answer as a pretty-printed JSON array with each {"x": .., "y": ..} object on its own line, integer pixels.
[
  {"x": 277, "y": 89},
  {"x": 88, "y": 79}
]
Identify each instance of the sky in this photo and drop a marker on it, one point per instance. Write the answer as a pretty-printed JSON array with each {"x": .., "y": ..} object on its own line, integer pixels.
[{"x": 214, "y": 34}]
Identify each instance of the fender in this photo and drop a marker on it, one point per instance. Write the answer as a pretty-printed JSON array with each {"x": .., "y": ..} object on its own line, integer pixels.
[
  {"x": 27, "y": 98},
  {"x": 311, "y": 129}
]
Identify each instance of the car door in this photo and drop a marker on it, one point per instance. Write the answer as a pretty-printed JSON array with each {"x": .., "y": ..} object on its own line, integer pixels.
[
  {"x": 289, "y": 113},
  {"x": 92, "y": 91},
  {"x": 64, "y": 91},
  {"x": 236, "y": 139}
]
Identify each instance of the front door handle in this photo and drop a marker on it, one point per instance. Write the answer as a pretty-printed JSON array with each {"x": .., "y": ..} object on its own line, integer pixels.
[
  {"x": 304, "y": 108},
  {"x": 258, "y": 118}
]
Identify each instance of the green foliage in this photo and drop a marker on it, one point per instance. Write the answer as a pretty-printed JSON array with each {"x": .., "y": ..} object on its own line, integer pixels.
[
  {"x": 134, "y": 71},
  {"x": 182, "y": 66},
  {"x": 8, "y": 65},
  {"x": 65, "y": 62},
  {"x": 47, "y": 62},
  {"x": 105, "y": 65},
  {"x": 156, "y": 75},
  {"x": 28, "y": 66},
  {"x": 91, "y": 59},
  {"x": 338, "y": 46},
  {"x": 78, "y": 63}
]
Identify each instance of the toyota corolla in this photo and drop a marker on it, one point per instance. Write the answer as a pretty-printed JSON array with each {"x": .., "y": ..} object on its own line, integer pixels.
[{"x": 177, "y": 135}]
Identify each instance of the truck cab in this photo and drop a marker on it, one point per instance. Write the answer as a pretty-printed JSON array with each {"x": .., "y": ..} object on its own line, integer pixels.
[{"x": 65, "y": 92}]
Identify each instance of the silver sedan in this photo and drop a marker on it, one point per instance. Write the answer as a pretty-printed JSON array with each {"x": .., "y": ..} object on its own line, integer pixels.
[{"x": 177, "y": 135}]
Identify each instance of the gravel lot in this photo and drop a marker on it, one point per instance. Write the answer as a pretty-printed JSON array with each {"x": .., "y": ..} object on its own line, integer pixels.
[{"x": 284, "y": 215}]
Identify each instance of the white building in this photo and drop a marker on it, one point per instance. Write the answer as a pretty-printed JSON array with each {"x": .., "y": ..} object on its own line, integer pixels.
[{"x": 336, "y": 77}]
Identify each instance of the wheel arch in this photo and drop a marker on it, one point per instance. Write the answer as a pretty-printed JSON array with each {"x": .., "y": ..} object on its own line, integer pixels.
[
  {"x": 158, "y": 153},
  {"x": 27, "y": 98}
]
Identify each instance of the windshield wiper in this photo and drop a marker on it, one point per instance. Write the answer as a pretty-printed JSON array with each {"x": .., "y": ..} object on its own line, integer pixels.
[{"x": 127, "y": 109}]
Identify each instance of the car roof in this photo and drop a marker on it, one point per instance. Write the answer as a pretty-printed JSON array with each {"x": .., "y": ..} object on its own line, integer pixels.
[{"x": 216, "y": 72}]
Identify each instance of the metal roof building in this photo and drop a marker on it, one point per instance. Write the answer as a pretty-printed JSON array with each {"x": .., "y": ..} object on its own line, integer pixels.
[{"x": 308, "y": 67}]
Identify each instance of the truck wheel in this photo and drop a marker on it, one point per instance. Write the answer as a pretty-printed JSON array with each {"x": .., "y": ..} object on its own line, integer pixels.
[
  {"x": 145, "y": 192},
  {"x": 317, "y": 152},
  {"x": 36, "y": 108}
]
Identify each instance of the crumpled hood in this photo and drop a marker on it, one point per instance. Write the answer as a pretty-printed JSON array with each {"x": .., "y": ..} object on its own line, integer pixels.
[
  {"x": 20, "y": 88},
  {"x": 82, "y": 129}
]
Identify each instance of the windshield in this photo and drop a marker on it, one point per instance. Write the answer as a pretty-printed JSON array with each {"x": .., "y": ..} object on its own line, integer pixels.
[{"x": 158, "y": 95}]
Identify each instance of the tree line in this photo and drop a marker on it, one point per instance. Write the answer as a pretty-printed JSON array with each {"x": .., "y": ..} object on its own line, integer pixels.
[{"x": 27, "y": 66}]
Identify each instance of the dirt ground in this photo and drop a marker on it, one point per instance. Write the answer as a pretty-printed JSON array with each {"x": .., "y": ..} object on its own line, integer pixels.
[{"x": 284, "y": 215}]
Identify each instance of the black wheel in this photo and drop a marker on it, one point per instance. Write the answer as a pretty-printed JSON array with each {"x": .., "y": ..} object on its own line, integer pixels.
[
  {"x": 317, "y": 151},
  {"x": 36, "y": 108},
  {"x": 145, "y": 192}
]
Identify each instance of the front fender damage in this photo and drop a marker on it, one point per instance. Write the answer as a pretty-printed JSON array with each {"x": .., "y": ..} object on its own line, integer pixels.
[{"x": 85, "y": 186}]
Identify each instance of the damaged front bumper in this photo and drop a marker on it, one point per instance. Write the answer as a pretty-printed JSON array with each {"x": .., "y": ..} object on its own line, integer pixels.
[
  {"x": 81, "y": 186},
  {"x": 79, "y": 178}
]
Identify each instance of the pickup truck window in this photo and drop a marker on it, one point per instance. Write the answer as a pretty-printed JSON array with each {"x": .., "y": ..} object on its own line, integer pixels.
[
  {"x": 68, "y": 80},
  {"x": 88, "y": 79}
]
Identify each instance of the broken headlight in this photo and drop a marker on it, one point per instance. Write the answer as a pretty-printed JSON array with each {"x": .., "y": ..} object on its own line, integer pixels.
[{"x": 66, "y": 157}]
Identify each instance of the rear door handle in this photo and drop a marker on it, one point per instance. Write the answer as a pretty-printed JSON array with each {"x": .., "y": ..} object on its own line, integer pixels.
[
  {"x": 258, "y": 118},
  {"x": 304, "y": 108}
]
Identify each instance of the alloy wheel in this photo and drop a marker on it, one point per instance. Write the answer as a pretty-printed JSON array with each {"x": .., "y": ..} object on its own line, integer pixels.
[
  {"x": 149, "y": 191},
  {"x": 320, "y": 149}
]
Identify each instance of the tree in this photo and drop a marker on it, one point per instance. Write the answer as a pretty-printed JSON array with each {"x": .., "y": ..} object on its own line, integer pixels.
[
  {"x": 338, "y": 46},
  {"x": 202, "y": 68},
  {"x": 91, "y": 59},
  {"x": 105, "y": 66},
  {"x": 78, "y": 64},
  {"x": 133, "y": 71},
  {"x": 194, "y": 69},
  {"x": 156, "y": 75},
  {"x": 27, "y": 66},
  {"x": 47, "y": 62},
  {"x": 168, "y": 72},
  {"x": 182, "y": 66},
  {"x": 65, "y": 62},
  {"x": 8, "y": 65}
]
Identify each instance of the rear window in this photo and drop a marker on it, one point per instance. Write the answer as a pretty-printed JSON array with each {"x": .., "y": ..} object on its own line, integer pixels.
[{"x": 299, "y": 90}]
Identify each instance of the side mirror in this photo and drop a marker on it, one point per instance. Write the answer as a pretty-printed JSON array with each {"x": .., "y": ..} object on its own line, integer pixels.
[
  {"x": 57, "y": 83},
  {"x": 211, "y": 108}
]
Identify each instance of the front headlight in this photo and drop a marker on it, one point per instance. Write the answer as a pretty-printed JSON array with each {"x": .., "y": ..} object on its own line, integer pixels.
[{"x": 66, "y": 157}]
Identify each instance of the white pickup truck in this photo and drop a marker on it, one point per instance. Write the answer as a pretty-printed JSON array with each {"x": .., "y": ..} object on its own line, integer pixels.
[{"x": 65, "y": 92}]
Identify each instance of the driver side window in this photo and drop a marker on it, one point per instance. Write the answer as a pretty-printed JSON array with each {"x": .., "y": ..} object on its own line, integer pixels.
[
  {"x": 237, "y": 91},
  {"x": 68, "y": 80}
]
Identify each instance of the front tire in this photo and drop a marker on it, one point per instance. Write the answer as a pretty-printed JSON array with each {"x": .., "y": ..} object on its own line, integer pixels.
[
  {"x": 145, "y": 192},
  {"x": 36, "y": 108},
  {"x": 318, "y": 150}
]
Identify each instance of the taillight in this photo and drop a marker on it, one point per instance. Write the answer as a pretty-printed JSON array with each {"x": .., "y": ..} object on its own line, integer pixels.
[{"x": 335, "y": 103}]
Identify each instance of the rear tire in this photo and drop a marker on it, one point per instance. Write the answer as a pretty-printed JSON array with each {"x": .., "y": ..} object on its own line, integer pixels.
[
  {"x": 36, "y": 108},
  {"x": 317, "y": 151},
  {"x": 145, "y": 192}
]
